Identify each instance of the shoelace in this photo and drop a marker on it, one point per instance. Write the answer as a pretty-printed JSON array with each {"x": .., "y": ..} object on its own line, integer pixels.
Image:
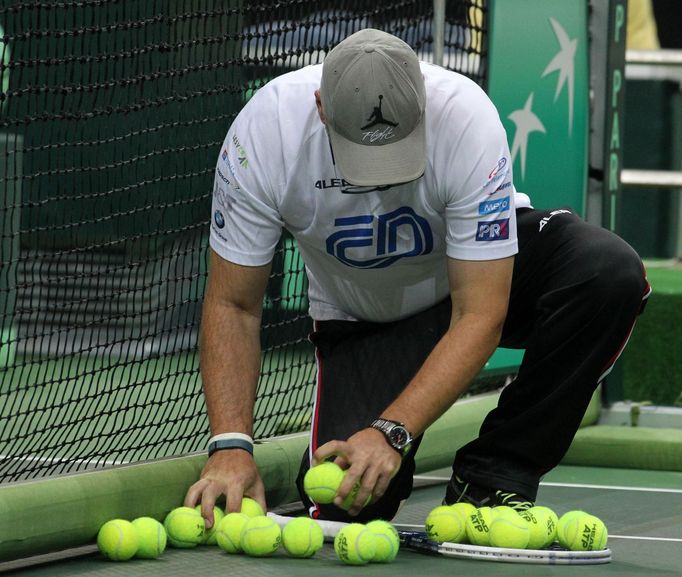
[
  {"x": 464, "y": 490},
  {"x": 513, "y": 500}
]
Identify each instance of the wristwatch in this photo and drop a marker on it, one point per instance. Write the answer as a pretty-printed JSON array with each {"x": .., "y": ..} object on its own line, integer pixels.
[{"x": 396, "y": 434}]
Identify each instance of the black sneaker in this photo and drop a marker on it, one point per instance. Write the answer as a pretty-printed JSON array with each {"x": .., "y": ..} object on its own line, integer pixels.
[{"x": 459, "y": 490}]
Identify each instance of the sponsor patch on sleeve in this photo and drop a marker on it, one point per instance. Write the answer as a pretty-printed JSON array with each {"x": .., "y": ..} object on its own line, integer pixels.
[
  {"x": 497, "y": 205},
  {"x": 491, "y": 230}
]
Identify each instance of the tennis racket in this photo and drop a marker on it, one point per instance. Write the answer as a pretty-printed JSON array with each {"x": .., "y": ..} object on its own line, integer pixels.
[{"x": 418, "y": 541}]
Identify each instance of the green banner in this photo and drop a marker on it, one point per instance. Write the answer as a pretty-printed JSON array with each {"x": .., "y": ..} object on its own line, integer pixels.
[{"x": 538, "y": 79}]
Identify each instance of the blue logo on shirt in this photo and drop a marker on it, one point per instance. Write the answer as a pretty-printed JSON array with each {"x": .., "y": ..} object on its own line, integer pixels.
[
  {"x": 361, "y": 231},
  {"x": 219, "y": 219},
  {"x": 490, "y": 206}
]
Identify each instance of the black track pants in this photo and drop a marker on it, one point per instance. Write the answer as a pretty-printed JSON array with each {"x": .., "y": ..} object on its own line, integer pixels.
[{"x": 576, "y": 292}]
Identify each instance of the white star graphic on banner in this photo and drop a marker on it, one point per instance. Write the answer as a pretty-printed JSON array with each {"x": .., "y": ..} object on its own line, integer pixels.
[
  {"x": 526, "y": 122},
  {"x": 564, "y": 63}
]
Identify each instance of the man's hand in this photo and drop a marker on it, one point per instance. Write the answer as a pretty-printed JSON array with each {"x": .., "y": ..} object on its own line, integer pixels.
[
  {"x": 368, "y": 459},
  {"x": 232, "y": 473}
]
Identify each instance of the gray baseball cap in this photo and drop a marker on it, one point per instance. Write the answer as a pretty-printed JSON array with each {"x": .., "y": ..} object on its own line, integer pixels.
[{"x": 373, "y": 98}]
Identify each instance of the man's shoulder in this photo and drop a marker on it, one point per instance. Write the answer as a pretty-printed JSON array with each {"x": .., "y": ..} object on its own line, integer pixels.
[
  {"x": 454, "y": 96},
  {"x": 284, "y": 106},
  {"x": 434, "y": 74},
  {"x": 290, "y": 84}
]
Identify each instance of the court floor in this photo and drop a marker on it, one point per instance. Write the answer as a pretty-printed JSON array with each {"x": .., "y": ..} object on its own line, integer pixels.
[{"x": 642, "y": 509}]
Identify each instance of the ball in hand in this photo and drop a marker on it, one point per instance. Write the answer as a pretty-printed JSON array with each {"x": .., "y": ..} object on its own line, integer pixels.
[
  {"x": 210, "y": 533},
  {"x": 185, "y": 527},
  {"x": 322, "y": 481}
]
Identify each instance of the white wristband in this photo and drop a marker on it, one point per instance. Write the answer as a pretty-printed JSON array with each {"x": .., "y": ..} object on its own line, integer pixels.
[
  {"x": 229, "y": 437},
  {"x": 230, "y": 441}
]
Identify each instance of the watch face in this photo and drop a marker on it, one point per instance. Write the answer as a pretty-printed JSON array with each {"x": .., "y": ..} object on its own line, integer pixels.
[{"x": 399, "y": 437}]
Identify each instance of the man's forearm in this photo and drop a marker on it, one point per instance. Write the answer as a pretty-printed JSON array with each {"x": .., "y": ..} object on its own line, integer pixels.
[
  {"x": 230, "y": 366},
  {"x": 446, "y": 373}
]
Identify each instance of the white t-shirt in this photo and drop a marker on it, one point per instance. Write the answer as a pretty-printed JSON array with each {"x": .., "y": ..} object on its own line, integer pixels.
[{"x": 377, "y": 256}]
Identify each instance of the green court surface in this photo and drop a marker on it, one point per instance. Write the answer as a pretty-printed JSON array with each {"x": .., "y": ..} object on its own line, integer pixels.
[{"x": 642, "y": 509}]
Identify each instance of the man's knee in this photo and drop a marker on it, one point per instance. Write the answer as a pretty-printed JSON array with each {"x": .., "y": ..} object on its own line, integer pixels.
[{"x": 620, "y": 278}]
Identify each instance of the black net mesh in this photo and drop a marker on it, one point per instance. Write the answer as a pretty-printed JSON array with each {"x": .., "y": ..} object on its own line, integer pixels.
[{"x": 112, "y": 114}]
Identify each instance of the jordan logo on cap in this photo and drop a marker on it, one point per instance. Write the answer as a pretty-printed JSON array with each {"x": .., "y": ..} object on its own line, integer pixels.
[{"x": 377, "y": 117}]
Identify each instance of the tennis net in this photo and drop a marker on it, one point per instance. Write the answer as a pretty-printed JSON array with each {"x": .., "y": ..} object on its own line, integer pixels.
[{"x": 112, "y": 114}]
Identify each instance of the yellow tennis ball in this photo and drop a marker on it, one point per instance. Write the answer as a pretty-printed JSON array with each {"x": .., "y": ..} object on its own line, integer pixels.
[
  {"x": 302, "y": 537},
  {"x": 445, "y": 524},
  {"x": 152, "y": 538},
  {"x": 543, "y": 525},
  {"x": 322, "y": 481},
  {"x": 348, "y": 501},
  {"x": 229, "y": 532},
  {"x": 251, "y": 508},
  {"x": 509, "y": 530},
  {"x": 583, "y": 532},
  {"x": 502, "y": 511},
  {"x": 118, "y": 540},
  {"x": 185, "y": 527},
  {"x": 355, "y": 544},
  {"x": 464, "y": 509},
  {"x": 261, "y": 536},
  {"x": 563, "y": 521},
  {"x": 478, "y": 526},
  {"x": 210, "y": 534},
  {"x": 387, "y": 541}
]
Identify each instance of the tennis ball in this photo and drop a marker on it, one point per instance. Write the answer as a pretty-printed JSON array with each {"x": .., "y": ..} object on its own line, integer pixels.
[
  {"x": 261, "y": 536},
  {"x": 229, "y": 532},
  {"x": 387, "y": 541},
  {"x": 445, "y": 524},
  {"x": 543, "y": 525},
  {"x": 118, "y": 540},
  {"x": 210, "y": 534},
  {"x": 322, "y": 481},
  {"x": 185, "y": 527},
  {"x": 152, "y": 538},
  {"x": 563, "y": 521},
  {"x": 355, "y": 544},
  {"x": 509, "y": 530},
  {"x": 502, "y": 511},
  {"x": 251, "y": 508},
  {"x": 478, "y": 526},
  {"x": 348, "y": 501},
  {"x": 583, "y": 532},
  {"x": 302, "y": 537},
  {"x": 464, "y": 509}
]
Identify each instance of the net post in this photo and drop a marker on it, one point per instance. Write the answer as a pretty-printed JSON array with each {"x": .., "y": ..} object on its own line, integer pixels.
[
  {"x": 607, "y": 80},
  {"x": 438, "y": 31},
  {"x": 607, "y": 28}
]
